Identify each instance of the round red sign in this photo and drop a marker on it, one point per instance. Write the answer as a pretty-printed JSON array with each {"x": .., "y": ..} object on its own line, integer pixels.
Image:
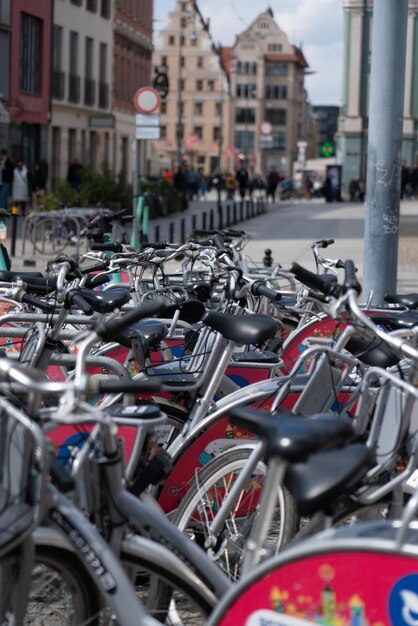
[{"x": 147, "y": 100}]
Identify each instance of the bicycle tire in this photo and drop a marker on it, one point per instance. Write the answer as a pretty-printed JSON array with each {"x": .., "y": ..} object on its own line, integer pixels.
[
  {"x": 61, "y": 592},
  {"x": 165, "y": 595},
  {"x": 219, "y": 473}
]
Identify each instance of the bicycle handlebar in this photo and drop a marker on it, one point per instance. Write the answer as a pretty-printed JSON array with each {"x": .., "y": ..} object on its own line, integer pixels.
[
  {"x": 259, "y": 288},
  {"x": 313, "y": 281},
  {"x": 108, "y": 330}
]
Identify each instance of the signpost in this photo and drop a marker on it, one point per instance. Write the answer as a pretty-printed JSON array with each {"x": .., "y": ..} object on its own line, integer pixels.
[{"x": 147, "y": 126}]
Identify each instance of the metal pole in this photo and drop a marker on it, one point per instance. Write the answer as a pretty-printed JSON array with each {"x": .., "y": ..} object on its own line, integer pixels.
[
  {"x": 387, "y": 84},
  {"x": 179, "y": 125}
]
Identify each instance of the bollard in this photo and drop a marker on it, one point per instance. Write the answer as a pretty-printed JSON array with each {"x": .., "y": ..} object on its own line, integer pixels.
[
  {"x": 211, "y": 220},
  {"x": 220, "y": 217},
  {"x": 194, "y": 225},
  {"x": 247, "y": 209},
  {"x": 157, "y": 234},
  {"x": 228, "y": 215},
  {"x": 171, "y": 232},
  {"x": 204, "y": 218},
  {"x": 241, "y": 211},
  {"x": 234, "y": 213},
  {"x": 183, "y": 230},
  {"x": 15, "y": 213}
]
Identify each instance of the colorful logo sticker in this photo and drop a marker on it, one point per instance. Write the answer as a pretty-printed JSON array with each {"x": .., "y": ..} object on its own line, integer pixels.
[{"x": 403, "y": 601}]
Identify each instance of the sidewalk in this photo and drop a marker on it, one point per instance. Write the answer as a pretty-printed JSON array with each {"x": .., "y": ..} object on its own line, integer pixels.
[{"x": 288, "y": 229}]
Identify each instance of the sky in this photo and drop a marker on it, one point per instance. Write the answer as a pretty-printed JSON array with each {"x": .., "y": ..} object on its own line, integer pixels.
[{"x": 315, "y": 25}]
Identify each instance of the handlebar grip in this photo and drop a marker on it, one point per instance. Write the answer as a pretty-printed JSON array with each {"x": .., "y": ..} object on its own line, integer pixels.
[
  {"x": 76, "y": 300},
  {"x": 97, "y": 267},
  {"x": 108, "y": 330},
  {"x": 39, "y": 304},
  {"x": 218, "y": 242},
  {"x": 259, "y": 288},
  {"x": 159, "y": 245},
  {"x": 311, "y": 280},
  {"x": 107, "y": 247},
  {"x": 324, "y": 243},
  {"x": 350, "y": 280},
  {"x": 130, "y": 386}
]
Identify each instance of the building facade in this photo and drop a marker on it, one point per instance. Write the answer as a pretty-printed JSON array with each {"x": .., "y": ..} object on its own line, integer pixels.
[
  {"x": 353, "y": 121},
  {"x": 195, "y": 115},
  {"x": 132, "y": 69},
  {"x": 5, "y": 31},
  {"x": 269, "y": 108},
  {"x": 28, "y": 77},
  {"x": 82, "y": 125}
]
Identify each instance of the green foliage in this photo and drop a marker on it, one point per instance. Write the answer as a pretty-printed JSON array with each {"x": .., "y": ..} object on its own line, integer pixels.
[
  {"x": 163, "y": 198},
  {"x": 48, "y": 202}
]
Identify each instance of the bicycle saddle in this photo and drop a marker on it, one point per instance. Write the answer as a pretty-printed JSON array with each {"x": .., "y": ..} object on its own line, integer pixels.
[
  {"x": 410, "y": 300},
  {"x": 242, "y": 329},
  {"x": 372, "y": 352},
  {"x": 316, "y": 483},
  {"x": 191, "y": 311},
  {"x": 395, "y": 320},
  {"x": 152, "y": 330},
  {"x": 290, "y": 437},
  {"x": 106, "y": 301}
]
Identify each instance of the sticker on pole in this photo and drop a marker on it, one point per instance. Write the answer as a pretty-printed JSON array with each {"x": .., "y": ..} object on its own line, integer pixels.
[{"x": 147, "y": 100}]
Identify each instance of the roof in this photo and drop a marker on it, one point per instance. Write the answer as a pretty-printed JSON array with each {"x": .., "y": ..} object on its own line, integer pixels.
[
  {"x": 225, "y": 53},
  {"x": 297, "y": 57}
]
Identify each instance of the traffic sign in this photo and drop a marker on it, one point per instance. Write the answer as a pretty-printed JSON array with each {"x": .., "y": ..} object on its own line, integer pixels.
[
  {"x": 150, "y": 119},
  {"x": 147, "y": 132},
  {"x": 327, "y": 149},
  {"x": 161, "y": 83},
  {"x": 266, "y": 128},
  {"x": 147, "y": 100}
]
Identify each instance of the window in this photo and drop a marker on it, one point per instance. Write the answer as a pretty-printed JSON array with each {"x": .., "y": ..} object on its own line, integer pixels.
[
  {"x": 279, "y": 141},
  {"x": 88, "y": 73},
  {"x": 164, "y": 61},
  {"x": 246, "y": 90},
  {"x": 244, "y": 140},
  {"x": 105, "y": 9},
  {"x": 163, "y": 108},
  {"x": 91, "y": 5},
  {"x": 276, "y": 69},
  {"x": 73, "y": 77},
  {"x": 182, "y": 40},
  {"x": 163, "y": 132},
  {"x": 182, "y": 62},
  {"x": 216, "y": 133},
  {"x": 198, "y": 132},
  {"x": 30, "y": 54},
  {"x": 171, "y": 40},
  {"x": 199, "y": 85},
  {"x": 198, "y": 108},
  {"x": 193, "y": 39},
  {"x": 77, "y": 2},
  {"x": 244, "y": 115},
  {"x": 72, "y": 138},
  {"x": 218, "y": 108},
  {"x": 182, "y": 84},
  {"x": 103, "y": 86},
  {"x": 199, "y": 62},
  {"x": 248, "y": 68},
  {"x": 276, "y": 116},
  {"x": 276, "y": 92},
  {"x": 183, "y": 22},
  {"x": 211, "y": 85},
  {"x": 275, "y": 47},
  {"x": 57, "y": 73}
]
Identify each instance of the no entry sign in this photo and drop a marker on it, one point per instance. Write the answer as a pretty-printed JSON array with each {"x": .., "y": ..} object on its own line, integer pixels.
[{"x": 147, "y": 100}]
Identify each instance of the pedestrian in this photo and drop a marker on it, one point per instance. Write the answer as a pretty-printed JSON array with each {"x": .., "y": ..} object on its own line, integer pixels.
[
  {"x": 272, "y": 183},
  {"x": 404, "y": 178},
  {"x": 20, "y": 187},
  {"x": 241, "y": 178},
  {"x": 180, "y": 183},
  {"x": 37, "y": 180},
  {"x": 413, "y": 182},
  {"x": 6, "y": 177},
  {"x": 74, "y": 175}
]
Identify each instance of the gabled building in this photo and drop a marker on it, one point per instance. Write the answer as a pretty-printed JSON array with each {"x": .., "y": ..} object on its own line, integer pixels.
[
  {"x": 269, "y": 103},
  {"x": 195, "y": 114}
]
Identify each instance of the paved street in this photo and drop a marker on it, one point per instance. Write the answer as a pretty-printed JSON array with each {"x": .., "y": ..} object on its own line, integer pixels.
[{"x": 288, "y": 229}]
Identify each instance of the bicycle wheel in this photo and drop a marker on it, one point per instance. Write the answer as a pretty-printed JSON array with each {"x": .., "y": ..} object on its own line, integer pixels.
[
  {"x": 61, "y": 591},
  {"x": 202, "y": 502},
  {"x": 166, "y": 595}
]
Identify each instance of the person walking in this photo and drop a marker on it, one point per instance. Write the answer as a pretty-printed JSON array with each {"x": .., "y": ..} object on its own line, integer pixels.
[
  {"x": 6, "y": 178},
  {"x": 37, "y": 180},
  {"x": 74, "y": 175},
  {"x": 272, "y": 183},
  {"x": 242, "y": 180},
  {"x": 20, "y": 187}
]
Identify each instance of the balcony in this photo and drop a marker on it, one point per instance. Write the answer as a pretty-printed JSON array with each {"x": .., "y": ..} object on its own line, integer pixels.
[
  {"x": 74, "y": 88},
  {"x": 103, "y": 95},
  {"x": 89, "y": 91},
  {"x": 58, "y": 85}
]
